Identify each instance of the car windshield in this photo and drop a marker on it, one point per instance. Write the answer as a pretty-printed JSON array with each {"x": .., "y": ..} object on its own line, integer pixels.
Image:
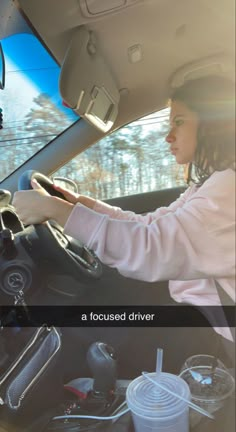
[{"x": 33, "y": 112}]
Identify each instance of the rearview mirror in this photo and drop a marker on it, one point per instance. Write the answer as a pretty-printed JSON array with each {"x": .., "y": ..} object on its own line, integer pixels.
[{"x": 2, "y": 68}]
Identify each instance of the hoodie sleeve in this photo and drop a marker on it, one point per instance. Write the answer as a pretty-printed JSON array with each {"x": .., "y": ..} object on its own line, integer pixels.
[
  {"x": 117, "y": 213},
  {"x": 193, "y": 241}
]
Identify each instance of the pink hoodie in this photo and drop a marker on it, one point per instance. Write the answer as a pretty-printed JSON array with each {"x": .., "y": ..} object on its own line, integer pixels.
[{"x": 190, "y": 243}]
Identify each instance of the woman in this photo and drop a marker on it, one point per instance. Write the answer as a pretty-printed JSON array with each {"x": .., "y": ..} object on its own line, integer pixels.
[{"x": 191, "y": 242}]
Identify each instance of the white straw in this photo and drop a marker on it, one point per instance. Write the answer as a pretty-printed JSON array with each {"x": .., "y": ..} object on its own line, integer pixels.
[
  {"x": 112, "y": 417},
  {"x": 159, "y": 363},
  {"x": 191, "y": 404}
]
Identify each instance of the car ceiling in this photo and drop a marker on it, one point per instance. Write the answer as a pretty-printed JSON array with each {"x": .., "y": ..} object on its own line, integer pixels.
[{"x": 171, "y": 33}]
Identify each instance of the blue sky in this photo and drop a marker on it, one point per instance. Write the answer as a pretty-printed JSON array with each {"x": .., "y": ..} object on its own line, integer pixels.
[{"x": 30, "y": 57}]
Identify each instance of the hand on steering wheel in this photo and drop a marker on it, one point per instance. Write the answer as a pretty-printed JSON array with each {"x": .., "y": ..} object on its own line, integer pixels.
[
  {"x": 69, "y": 254},
  {"x": 37, "y": 206},
  {"x": 68, "y": 195}
]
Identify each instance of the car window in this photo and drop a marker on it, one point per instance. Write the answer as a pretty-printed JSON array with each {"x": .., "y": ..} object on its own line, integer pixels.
[
  {"x": 33, "y": 112},
  {"x": 131, "y": 160}
]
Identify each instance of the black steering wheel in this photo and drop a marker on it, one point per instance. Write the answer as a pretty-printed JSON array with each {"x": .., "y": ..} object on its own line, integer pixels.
[{"x": 69, "y": 254}]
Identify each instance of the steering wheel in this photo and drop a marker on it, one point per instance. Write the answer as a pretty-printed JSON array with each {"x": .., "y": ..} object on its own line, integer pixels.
[{"x": 72, "y": 257}]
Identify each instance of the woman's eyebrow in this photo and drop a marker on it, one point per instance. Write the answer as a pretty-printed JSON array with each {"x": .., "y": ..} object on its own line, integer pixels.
[{"x": 177, "y": 115}]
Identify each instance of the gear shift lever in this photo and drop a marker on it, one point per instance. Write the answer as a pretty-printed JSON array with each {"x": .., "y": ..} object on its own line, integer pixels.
[
  {"x": 102, "y": 396},
  {"x": 102, "y": 362}
]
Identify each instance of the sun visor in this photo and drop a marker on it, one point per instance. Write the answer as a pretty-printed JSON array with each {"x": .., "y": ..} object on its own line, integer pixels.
[{"x": 86, "y": 82}]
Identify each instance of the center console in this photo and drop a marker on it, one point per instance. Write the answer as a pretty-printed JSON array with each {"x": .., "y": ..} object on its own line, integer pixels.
[
  {"x": 103, "y": 396},
  {"x": 94, "y": 404}
]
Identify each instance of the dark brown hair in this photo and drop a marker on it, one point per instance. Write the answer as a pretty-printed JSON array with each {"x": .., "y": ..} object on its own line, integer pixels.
[{"x": 213, "y": 99}]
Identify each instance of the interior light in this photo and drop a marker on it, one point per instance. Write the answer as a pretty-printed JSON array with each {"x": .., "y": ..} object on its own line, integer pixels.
[{"x": 135, "y": 53}]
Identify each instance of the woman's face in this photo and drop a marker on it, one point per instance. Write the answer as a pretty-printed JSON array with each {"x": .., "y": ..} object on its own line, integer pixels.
[{"x": 182, "y": 136}]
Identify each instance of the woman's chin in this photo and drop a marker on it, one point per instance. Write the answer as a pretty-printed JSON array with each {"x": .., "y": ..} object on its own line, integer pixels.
[{"x": 180, "y": 160}]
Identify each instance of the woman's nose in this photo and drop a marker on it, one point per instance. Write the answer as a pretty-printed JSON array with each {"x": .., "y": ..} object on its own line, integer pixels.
[{"x": 170, "y": 138}]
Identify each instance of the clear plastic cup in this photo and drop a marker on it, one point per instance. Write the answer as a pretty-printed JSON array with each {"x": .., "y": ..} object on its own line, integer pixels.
[
  {"x": 154, "y": 409},
  {"x": 203, "y": 360},
  {"x": 209, "y": 389}
]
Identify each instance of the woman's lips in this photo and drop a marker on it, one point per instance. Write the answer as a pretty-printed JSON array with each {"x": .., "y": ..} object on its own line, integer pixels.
[{"x": 174, "y": 150}]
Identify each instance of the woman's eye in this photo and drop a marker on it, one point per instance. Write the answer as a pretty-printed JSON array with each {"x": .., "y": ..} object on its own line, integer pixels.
[{"x": 179, "y": 122}]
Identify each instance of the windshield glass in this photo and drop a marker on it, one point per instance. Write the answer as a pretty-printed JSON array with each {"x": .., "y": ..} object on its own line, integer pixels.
[{"x": 33, "y": 112}]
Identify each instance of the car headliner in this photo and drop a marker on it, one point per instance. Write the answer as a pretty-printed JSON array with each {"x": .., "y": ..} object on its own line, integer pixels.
[{"x": 171, "y": 33}]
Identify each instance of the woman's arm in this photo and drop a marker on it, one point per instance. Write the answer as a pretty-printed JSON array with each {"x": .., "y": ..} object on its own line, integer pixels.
[
  {"x": 117, "y": 213},
  {"x": 75, "y": 198},
  {"x": 195, "y": 241}
]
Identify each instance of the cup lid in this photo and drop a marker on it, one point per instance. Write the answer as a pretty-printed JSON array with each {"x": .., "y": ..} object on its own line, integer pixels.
[
  {"x": 146, "y": 399},
  {"x": 207, "y": 385}
]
